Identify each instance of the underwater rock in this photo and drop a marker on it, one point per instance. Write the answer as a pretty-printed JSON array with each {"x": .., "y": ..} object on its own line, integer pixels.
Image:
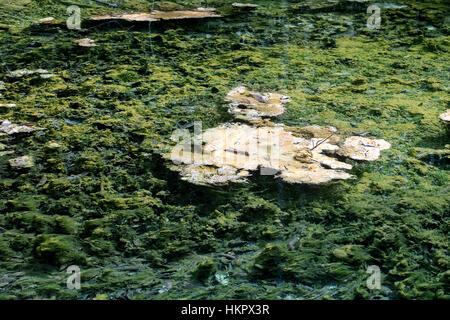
[
  {"x": 156, "y": 15},
  {"x": 390, "y": 5},
  {"x": 7, "y": 105},
  {"x": 4, "y": 152},
  {"x": 47, "y": 20},
  {"x": 137, "y": 17},
  {"x": 230, "y": 152},
  {"x": 21, "y": 162},
  {"x": 445, "y": 116},
  {"x": 9, "y": 128},
  {"x": 85, "y": 42},
  {"x": 311, "y": 6},
  {"x": 204, "y": 9},
  {"x": 245, "y": 6},
  {"x": 251, "y": 106},
  {"x": 47, "y": 75},
  {"x": 53, "y": 145},
  {"x": 350, "y": 254},
  {"x": 359, "y": 148},
  {"x": 204, "y": 270},
  {"x": 346, "y": 6},
  {"x": 431, "y": 155},
  {"x": 212, "y": 176},
  {"x": 316, "y": 131},
  {"x": 270, "y": 261},
  {"x": 44, "y": 74}
]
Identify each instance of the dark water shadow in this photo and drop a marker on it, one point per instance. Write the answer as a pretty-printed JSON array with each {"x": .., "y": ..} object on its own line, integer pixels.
[{"x": 207, "y": 198}]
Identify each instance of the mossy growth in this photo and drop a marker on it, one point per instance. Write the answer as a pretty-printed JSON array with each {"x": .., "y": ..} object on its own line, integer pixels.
[
  {"x": 204, "y": 270},
  {"x": 269, "y": 263},
  {"x": 57, "y": 250}
]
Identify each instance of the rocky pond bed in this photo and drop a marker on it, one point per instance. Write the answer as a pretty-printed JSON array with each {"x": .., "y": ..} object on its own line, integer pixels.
[{"x": 87, "y": 118}]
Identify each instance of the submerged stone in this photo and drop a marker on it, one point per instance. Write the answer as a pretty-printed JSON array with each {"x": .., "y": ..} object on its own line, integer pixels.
[
  {"x": 445, "y": 116},
  {"x": 21, "y": 162},
  {"x": 85, "y": 42},
  {"x": 316, "y": 131},
  {"x": 10, "y": 128},
  {"x": 245, "y": 6},
  {"x": 314, "y": 6},
  {"x": 53, "y": 145},
  {"x": 270, "y": 261},
  {"x": 251, "y": 106},
  {"x": 359, "y": 148},
  {"x": 7, "y": 105},
  {"x": 157, "y": 15}
]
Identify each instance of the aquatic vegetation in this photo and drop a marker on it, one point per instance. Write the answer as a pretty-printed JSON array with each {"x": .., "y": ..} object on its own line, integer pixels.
[
  {"x": 100, "y": 194},
  {"x": 360, "y": 148},
  {"x": 7, "y": 105},
  {"x": 156, "y": 15}
]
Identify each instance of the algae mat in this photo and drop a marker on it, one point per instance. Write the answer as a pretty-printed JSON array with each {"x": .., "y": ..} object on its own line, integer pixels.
[{"x": 91, "y": 187}]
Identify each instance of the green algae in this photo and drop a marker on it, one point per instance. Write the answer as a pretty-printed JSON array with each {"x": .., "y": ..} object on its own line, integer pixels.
[{"x": 103, "y": 198}]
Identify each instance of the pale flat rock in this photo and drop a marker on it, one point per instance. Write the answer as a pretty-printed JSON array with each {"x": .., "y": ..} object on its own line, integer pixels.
[
  {"x": 21, "y": 162},
  {"x": 230, "y": 153},
  {"x": 9, "y": 128},
  {"x": 360, "y": 148},
  {"x": 47, "y": 20},
  {"x": 24, "y": 72},
  {"x": 206, "y": 9},
  {"x": 233, "y": 152},
  {"x": 156, "y": 15},
  {"x": 249, "y": 6},
  {"x": 5, "y": 153},
  {"x": 7, "y": 105},
  {"x": 251, "y": 106},
  {"x": 85, "y": 42},
  {"x": 127, "y": 17},
  {"x": 445, "y": 116}
]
